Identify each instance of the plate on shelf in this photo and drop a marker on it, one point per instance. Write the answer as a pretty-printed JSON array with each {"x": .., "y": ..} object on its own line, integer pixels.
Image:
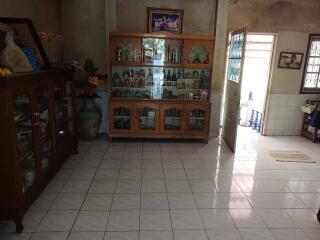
[{"x": 198, "y": 55}]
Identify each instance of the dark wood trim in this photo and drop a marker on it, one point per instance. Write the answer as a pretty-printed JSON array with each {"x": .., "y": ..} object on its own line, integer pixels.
[{"x": 302, "y": 89}]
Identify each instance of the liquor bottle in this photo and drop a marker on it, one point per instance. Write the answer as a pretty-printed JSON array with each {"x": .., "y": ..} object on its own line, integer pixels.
[
  {"x": 150, "y": 76},
  {"x": 169, "y": 76},
  {"x": 179, "y": 74},
  {"x": 164, "y": 75},
  {"x": 174, "y": 76}
]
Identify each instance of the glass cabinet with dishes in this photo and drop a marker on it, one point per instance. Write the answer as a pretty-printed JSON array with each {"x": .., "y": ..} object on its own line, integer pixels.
[
  {"x": 33, "y": 143},
  {"x": 157, "y": 69},
  {"x": 25, "y": 123}
]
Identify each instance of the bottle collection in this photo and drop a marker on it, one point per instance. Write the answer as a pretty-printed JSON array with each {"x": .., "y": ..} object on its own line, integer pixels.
[{"x": 160, "y": 83}]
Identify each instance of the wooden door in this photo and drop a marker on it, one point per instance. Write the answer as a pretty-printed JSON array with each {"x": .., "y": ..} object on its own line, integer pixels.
[
  {"x": 172, "y": 118},
  {"x": 198, "y": 119},
  {"x": 125, "y": 50},
  {"x": 121, "y": 117},
  {"x": 233, "y": 87},
  {"x": 198, "y": 54},
  {"x": 146, "y": 117}
]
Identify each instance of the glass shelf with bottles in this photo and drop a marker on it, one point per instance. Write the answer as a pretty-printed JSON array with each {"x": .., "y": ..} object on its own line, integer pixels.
[
  {"x": 160, "y": 83},
  {"x": 160, "y": 51}
]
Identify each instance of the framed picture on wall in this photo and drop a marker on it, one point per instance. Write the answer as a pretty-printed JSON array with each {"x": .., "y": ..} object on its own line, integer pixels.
[
  {"x": 290, "y": 60},
  {"x": 164, "y": 19}
]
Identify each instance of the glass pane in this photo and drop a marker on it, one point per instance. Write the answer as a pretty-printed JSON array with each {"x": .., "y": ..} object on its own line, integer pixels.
[
  {"x": 172, "y": 119},
  {"x": 160, "y": 83},
  {"x": 24, "y": 132},
  {"x": 147, "y": 118},
  {"x": 310, "y": 80},
  {"x": 59, "y": 118},
  {"x": 125, "y": 51},
  {"x": 121, "y": 117},
  {"x": 198, "y": 54},
  {"x": 197, "y": 119},
  {"x": 159, "y": 51},
  {"x": 44, "y": 127},
  {"x": 315, "y": 48},
  {"x": 235, "y": 57}
]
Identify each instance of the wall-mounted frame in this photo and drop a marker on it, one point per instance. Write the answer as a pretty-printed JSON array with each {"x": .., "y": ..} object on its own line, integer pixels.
[
  {"x": 165, "y": 19},
  {"x": 290, "y": 60},
  {"x": 27, "y": 35}
]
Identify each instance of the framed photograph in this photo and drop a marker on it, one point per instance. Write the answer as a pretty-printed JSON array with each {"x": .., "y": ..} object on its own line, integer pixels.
[
  {"x": 163, "y": 19},
  {"x": 290, "y": 60}
]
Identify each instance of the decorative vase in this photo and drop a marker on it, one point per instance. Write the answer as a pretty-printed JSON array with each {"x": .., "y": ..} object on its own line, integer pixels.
[{"x": 89, "y": 119}]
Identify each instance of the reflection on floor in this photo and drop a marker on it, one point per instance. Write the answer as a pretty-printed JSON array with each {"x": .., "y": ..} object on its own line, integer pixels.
[{"x": 179, "y": 190}]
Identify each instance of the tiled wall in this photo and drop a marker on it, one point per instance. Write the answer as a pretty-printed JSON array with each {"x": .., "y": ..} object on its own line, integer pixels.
[{"x": 283, "y": 115}]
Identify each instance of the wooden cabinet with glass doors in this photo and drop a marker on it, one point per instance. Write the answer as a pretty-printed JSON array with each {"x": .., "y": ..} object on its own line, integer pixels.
[
  {"x": 160, "y": 85},
  {"x": 37, "y": 120}
]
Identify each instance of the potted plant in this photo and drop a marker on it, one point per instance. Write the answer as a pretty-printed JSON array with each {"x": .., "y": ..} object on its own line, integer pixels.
[{"x": 89, "y": 115}]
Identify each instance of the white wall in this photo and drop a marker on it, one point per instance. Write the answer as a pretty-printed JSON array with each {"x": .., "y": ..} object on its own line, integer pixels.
[{"x": 283, "y": 114}]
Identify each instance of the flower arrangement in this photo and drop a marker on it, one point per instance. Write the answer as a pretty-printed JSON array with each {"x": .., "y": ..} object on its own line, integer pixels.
[{"x": 88, "y": 88}]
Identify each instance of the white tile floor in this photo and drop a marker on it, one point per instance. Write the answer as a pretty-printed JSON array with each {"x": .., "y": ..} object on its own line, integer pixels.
[{"x": 179, "y": 190}]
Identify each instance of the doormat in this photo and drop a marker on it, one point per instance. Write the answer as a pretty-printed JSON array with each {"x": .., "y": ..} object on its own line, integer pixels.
[{"x": 290, "y": 156}]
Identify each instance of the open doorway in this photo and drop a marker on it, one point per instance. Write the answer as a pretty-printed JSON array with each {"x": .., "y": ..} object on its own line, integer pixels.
[
  {"x": 247, "y": 77},
  {"x": 255, "y": 78}
]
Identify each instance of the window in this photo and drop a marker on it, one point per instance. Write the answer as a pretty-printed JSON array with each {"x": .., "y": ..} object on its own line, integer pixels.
[{"x": 311, "y": 76}]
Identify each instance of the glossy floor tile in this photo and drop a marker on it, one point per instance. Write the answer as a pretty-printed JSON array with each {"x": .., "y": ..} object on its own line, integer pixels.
[{"x": 148, "y": 190}]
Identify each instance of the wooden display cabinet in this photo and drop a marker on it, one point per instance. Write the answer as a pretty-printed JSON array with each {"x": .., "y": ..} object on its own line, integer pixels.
[
  {"x": 34, "y": 128},
  {"x": 171, "y": 81}
]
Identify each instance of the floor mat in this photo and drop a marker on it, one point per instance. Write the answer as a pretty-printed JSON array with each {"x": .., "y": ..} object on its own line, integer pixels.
[{"x": 290, "y": 156}]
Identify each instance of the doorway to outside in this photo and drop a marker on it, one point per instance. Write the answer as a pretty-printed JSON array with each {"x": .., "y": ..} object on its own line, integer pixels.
[
  {"x": 246, "y": 84},
  {"x": 255, "y": 79}
]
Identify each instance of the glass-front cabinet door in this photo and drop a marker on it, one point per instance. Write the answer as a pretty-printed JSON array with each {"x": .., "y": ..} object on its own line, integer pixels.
[
  {"x": 59, "y": 127},
  {"x": 69, "y": 107},
  {"x": 172, "y": 118},
  {"x": 125, "y": 50},
  {"x": 121, "y": 117},
  {"x": 26, "y": 122},
  {"x": 147, "y": 118},
  {"x": 44, "y": 129},
  {"x": 198, "y": 53},
  {"x": 197, "y": 118},
  {"x": 161, "y": 52}
]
